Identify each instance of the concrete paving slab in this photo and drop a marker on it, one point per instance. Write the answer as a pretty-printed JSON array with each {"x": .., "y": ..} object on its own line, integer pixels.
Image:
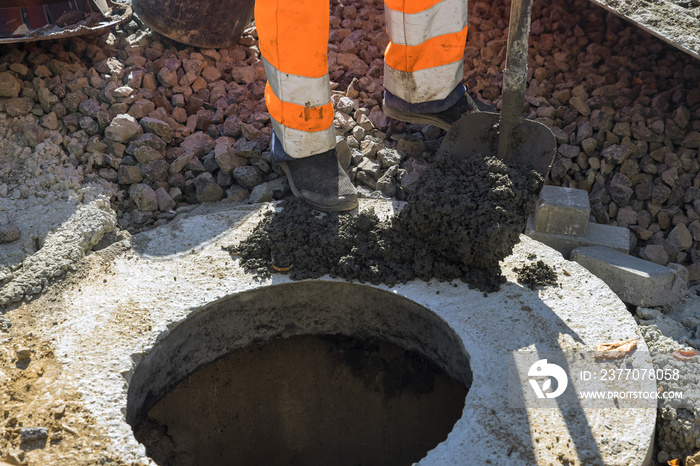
[
  {"x": 617, "y": 238},
  {"x": 562, "y": 211},
  {"x": 636, "y": 281},
  {"x": 112, "y": 324}
]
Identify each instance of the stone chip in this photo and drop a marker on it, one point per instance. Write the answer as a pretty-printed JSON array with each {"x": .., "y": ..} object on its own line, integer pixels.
[
  {"x": 144, "y": 197},
  {"x": 123, "y": 128},
  {"x": 9, "y": 85},
  {"x": 9, "y": 233}
]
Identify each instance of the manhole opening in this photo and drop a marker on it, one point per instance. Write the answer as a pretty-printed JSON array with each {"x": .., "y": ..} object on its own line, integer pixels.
[
  {"x": 309, "y": 372},
  {"x": 308, "y": 399}
]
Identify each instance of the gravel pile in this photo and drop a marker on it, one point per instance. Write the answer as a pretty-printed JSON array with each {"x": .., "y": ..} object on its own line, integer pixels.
[
  {"x": 162, "y": 125},
  {"x": 624, "y": 108}
]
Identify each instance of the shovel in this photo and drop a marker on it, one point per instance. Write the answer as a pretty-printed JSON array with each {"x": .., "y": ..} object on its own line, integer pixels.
[{"x": 509, "y": 135}]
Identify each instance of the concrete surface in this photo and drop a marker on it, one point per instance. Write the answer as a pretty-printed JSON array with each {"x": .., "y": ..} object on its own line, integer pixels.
[
  {"x": 668, "y": 330},
  {"x": 617, "y": 238},
  {"x": 562, "y": 211},
  {"x": 113, "y": 328},
  {"x": 636, "y": 281},
  {"x": 55, "y": 235},
  {"x": 665, "y": 19}
]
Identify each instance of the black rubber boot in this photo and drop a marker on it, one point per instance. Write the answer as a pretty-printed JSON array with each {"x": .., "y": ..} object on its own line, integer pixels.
[
  {"x": 321, "y": 181},
  {"x": 444, "y": 119}
]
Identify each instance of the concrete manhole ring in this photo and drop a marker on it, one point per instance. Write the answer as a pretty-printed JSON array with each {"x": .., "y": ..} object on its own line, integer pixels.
[
  {"x": 117, "y": 323},
  {"x": 295, "y": 309}
]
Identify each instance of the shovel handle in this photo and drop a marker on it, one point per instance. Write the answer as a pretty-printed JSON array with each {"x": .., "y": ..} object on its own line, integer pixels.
[{"x": 514, "y": 76}]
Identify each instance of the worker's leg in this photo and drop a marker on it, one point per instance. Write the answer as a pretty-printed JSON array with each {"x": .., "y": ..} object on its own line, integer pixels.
[
  {"x": 423, "y": 67},
  {"x": 293, "y": 39}
]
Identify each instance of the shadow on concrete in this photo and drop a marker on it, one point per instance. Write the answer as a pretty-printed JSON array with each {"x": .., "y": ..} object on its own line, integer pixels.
[
  {"x": 546, "y": 342},
  {"x": 191, "y": 232},
  {"x": 29, "y": 445},
  {"x": 55, "y": 235},
  {"x": 36, "y": 218}
]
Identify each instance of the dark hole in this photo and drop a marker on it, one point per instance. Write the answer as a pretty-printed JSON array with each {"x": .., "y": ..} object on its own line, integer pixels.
[{"x": 306, "y": 400}]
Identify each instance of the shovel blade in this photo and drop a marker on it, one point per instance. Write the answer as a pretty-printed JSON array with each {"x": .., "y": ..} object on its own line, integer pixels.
[{"x": 477, "y": 134}]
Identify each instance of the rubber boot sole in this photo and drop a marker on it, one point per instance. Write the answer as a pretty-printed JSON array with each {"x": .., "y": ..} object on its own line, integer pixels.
[
  {"x": 343, "y": 206},
  {"x": 427, "y": 119},
  {"x": 424, "y": 119}
]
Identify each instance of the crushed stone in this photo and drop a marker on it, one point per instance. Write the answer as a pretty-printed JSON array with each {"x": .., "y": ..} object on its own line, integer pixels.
[{"x": 463, "y": 218}]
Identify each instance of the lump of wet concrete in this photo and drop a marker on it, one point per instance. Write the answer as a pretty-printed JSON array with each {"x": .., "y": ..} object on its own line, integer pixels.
[
  {"x": 536, "y": 274},
  {"x": 463, "y": 218},
  {"x": 31, "y": 434}
]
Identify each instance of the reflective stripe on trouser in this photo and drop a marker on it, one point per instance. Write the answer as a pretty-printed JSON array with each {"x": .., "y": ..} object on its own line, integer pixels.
[
  {"x": 424, "y": 59},
  {"x": 293, "y": 40}
]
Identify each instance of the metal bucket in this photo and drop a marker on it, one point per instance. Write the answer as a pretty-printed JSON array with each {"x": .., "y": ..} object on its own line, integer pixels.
[{"x": 200, "y": 23}]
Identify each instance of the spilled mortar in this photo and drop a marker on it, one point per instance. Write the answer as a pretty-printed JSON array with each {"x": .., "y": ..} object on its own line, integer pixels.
[{"x": 463, "y": 219}]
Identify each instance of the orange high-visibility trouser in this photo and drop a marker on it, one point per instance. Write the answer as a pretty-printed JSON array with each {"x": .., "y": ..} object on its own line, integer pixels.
[{"x": 423, "y": 62}]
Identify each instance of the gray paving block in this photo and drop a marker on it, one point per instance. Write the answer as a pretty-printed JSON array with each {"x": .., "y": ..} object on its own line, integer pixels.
[
  {"x": 634, "y": 280},
  {"x": 562, "y": 211},
  {"x": 617, "y": 238}
]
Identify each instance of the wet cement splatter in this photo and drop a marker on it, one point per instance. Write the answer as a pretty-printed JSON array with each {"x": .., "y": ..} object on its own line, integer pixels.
[
  {"x": 463, "y": 218},
  {"x": 537, "y": 273}
]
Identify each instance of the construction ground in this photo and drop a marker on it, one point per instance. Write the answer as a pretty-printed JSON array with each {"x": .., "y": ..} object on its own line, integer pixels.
[{"x": 132, "y": 167}]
